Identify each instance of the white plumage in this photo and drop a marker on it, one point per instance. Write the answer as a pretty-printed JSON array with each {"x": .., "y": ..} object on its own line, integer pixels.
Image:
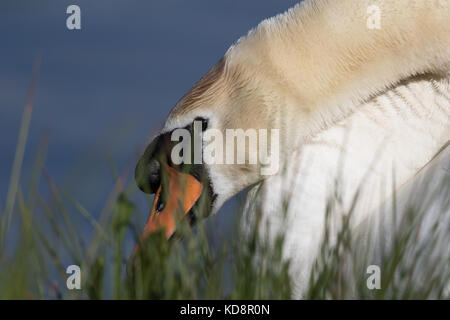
[
  {"x": 369, "y": 104},
  {"x": 375, "y": 150}
]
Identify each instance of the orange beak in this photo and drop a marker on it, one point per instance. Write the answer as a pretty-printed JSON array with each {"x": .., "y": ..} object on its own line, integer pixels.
[{"x": 183, "y": 190}]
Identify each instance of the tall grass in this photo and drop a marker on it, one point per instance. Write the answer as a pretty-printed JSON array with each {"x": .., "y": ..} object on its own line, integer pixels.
[
  {"x": 44, "y": 239},
  {"x": 35, "y": 254}
]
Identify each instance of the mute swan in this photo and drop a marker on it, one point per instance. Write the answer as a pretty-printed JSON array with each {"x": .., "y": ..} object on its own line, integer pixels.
[{"x": 337, "y": 91}]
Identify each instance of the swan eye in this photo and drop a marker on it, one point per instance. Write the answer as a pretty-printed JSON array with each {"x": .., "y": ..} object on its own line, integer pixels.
[{"x": 204, "y": 122}]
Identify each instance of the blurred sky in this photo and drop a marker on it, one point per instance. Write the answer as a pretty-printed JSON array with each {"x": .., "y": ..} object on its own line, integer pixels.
[{"x": 105, "y": 90}]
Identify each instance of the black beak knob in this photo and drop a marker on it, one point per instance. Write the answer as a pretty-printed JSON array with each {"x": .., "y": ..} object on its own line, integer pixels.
[{"x": 148, "y": 175}]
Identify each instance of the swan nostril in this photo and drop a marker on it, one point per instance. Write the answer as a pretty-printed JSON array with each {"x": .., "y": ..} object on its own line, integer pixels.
[{"x": 160, "y": 205}]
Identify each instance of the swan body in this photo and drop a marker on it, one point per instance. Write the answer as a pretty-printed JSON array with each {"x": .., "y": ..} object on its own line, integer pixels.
[
  {"x": 377, "y": 149},
  {"x": 366, "y": 107}
]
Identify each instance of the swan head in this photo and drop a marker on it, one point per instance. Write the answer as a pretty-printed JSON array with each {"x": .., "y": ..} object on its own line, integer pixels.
[{"x": 218, "y": 139}]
